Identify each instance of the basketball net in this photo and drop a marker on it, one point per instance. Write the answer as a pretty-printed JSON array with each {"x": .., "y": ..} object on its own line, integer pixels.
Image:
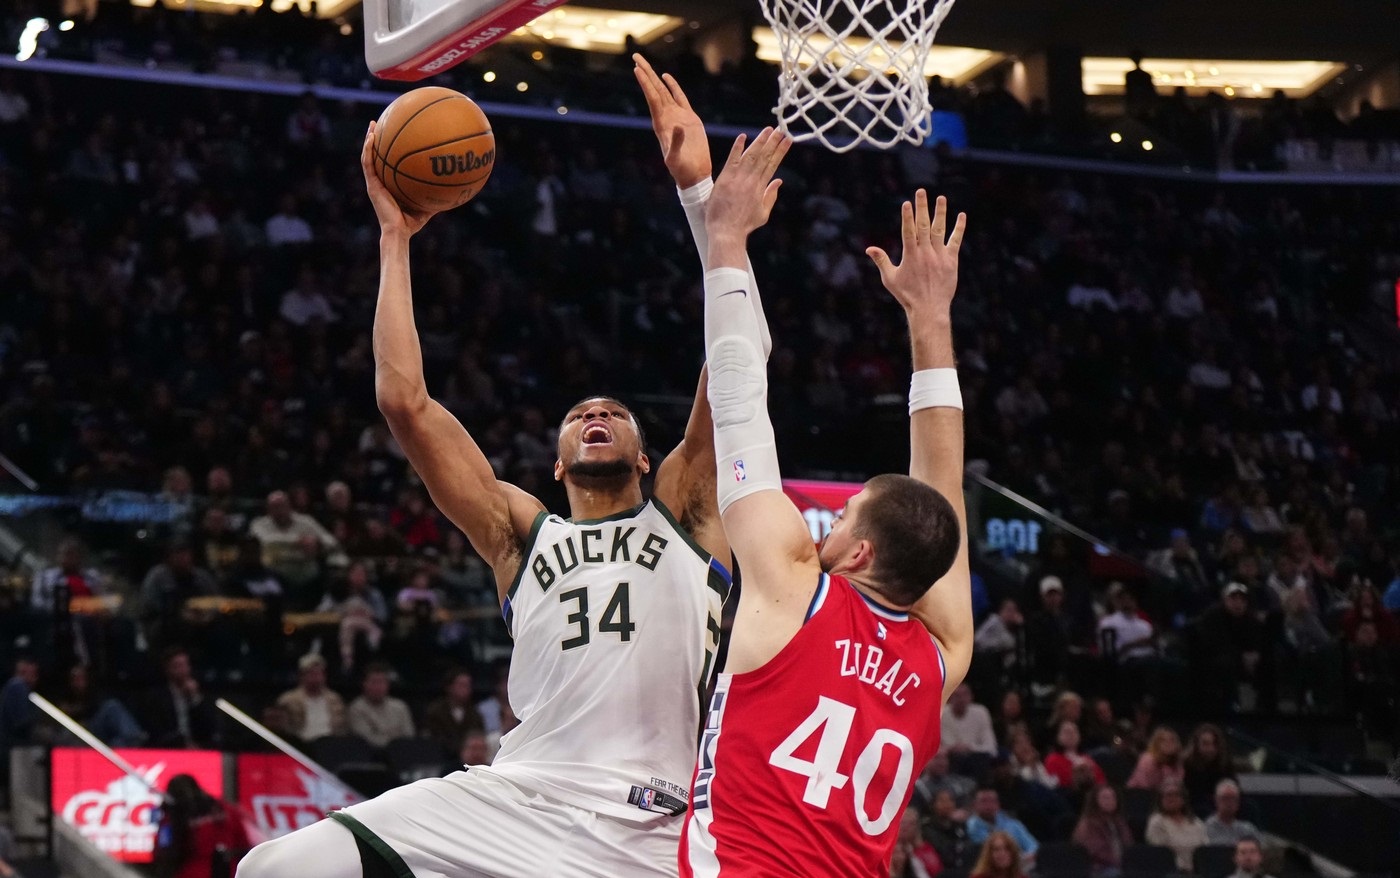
[{"x": 854, "y": 70}]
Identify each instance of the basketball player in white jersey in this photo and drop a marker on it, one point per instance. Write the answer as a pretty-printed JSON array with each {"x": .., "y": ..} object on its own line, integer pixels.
[{"x": 615, "y": 614}]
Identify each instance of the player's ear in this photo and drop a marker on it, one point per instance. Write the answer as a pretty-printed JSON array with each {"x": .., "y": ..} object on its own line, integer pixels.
[
  {"x": 558, "y": 470},
  {"x": 863, "y": 558},
  {"x": 643, "y": 463}
]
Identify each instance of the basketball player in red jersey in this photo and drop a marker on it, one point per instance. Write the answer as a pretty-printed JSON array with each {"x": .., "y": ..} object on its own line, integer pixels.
[{"x": 830, "y": 702}]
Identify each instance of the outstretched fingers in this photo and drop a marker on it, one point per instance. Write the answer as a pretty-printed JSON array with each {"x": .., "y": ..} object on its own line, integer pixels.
[
  {"x": 956, "y": 238},
  {"x": 777, "y": 150},
  {"x": 921, "y": 217},
  {"x": 675, "y": 88},
  {"x": 655, "y": 93},
  {"x": 939, "y": 229},
  {"x": 736, "y": 152}
]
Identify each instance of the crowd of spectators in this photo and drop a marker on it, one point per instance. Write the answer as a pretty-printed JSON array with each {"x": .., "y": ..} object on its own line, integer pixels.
[
  {"x": 1205, "y": 131},
  {"x": 1109, "y": 807},
  {"x": 1196, "y": 375}
]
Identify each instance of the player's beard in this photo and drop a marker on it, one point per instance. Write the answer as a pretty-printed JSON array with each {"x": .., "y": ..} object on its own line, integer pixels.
[{"x": 601, "y": 473}]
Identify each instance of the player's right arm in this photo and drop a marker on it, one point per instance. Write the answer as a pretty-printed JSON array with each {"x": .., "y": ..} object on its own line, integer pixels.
[
  {"x": 495, "y": 517},
  {"x": 924, "y": 283},
  {"x": 767, "y": 534}
]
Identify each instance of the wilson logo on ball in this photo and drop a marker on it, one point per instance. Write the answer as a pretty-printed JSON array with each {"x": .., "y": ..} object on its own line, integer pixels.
[{"x": 448, "y": 165}]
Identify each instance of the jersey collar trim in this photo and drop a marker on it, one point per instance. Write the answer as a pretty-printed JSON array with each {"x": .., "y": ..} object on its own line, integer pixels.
[
  {"x": 626, "y": 513},
  {"x": 881, "y": 610},
  {"x": 819, "y": 598}
]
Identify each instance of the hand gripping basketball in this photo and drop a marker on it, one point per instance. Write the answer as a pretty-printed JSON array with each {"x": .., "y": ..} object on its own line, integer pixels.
[{"x": 393, "y": 219}]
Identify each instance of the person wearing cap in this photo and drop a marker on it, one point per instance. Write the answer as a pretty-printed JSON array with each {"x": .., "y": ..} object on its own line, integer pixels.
[
  {"x": 313, "y": 710},
  {"x": 1122, "y": 528},
  {"x": 1181, "y": 564},
  {"x": 1053, "y": 635},
  {"x": 1231, "y": 647}
]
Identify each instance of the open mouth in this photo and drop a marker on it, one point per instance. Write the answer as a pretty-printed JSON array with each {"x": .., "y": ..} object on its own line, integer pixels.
[{"x": 597, "y": 434}]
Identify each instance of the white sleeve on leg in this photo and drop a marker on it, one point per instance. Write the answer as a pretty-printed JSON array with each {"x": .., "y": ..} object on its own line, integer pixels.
[{"x": 693, "y": 202}]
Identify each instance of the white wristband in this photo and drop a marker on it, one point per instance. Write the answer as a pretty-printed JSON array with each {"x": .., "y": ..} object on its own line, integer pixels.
[
  {"x": 696, "y": 194},
  {"x": 934, "y": 388}
]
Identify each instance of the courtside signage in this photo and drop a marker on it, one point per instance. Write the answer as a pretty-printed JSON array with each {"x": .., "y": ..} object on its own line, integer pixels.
[
  {"x": 117, "y": 813},
  {"x": 280, "y": 796}
]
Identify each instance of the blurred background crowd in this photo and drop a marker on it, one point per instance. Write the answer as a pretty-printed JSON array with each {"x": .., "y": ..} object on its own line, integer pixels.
[{"x": 1203, "y": 378}]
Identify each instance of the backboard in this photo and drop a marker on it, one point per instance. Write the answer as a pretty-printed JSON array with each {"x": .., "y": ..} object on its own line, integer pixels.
[{"x": 414, "y": 39}]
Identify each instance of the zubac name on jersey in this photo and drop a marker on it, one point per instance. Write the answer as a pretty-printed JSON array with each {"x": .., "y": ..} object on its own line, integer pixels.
[
  {"x": 806, "y": 763},
  {"x": 596, "y": 546}
]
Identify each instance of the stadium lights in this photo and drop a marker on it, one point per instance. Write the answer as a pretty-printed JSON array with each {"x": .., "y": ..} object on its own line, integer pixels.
[
  {"x": 324, "y": 8},
  {"x": 1104, "y": 76},
  {"x": 1116, "y": 137},
  {"x": 66, "y": 25},
  {"x": 1147, "y": 146},
  {"x": 596, "y": 30},
  {"x": 29, "y": 38},
  {"x": 956, "y": 64},
  {"x": 489, "y": 76}
]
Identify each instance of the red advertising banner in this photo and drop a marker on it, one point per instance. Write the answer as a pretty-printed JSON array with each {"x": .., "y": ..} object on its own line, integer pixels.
[
  {"x": 280, "y": 796},
  {"x": 118, "y": 813},
  {"x": 819, "y": 501}
]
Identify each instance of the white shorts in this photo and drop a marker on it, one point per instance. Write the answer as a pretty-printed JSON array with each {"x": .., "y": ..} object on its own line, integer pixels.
[{"x": 473, "y": 824}]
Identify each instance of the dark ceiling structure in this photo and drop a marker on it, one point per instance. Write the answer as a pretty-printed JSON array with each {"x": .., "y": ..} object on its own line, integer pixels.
[{"x": 1363, "y": 31}]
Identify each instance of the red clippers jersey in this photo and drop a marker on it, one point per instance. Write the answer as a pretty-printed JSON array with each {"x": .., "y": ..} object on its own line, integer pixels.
[{"x": 807, "y": 763}]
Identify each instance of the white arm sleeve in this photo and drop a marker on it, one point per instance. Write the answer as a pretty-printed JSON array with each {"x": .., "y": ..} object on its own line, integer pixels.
[
  {"x": 746, "y": 453},
  {"x": 693, "y": 202}
]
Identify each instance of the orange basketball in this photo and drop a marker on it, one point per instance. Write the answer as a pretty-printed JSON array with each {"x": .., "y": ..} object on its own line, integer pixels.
[{"x": 434, "y": 149}]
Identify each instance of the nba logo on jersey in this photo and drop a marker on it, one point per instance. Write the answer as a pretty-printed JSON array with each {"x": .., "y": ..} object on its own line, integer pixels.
[
  {"x": 739, "y": 474},
  {"x": 648, "y": 799},
  {"x": 880, "y": 630}
]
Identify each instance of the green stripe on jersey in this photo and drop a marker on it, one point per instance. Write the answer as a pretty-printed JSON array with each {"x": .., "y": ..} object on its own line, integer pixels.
[
  {"x": 525, "y": 557},
  {"x": 377, "y": 844},
  {"x": 718, "y": 582},
  {"x": 685, "y": 534}
]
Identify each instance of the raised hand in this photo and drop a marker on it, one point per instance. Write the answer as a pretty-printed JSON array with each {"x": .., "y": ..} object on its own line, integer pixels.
[
  {"x": 927, "y": 274},
  {"x": 393, "y": 219},
  {"x": 677, "y": 127},
  {"x": 746, "y": 191}
]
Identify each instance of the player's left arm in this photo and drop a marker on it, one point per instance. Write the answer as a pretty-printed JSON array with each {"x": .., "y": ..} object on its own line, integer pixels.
[
  {"x": 685, "y": 481},
  {"x": 770, "y": 538},
  {"x": 924, "y": 283}
]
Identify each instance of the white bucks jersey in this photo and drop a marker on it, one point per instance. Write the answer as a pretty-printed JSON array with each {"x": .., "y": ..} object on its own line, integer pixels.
[{"x": 616, "y": 622}]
